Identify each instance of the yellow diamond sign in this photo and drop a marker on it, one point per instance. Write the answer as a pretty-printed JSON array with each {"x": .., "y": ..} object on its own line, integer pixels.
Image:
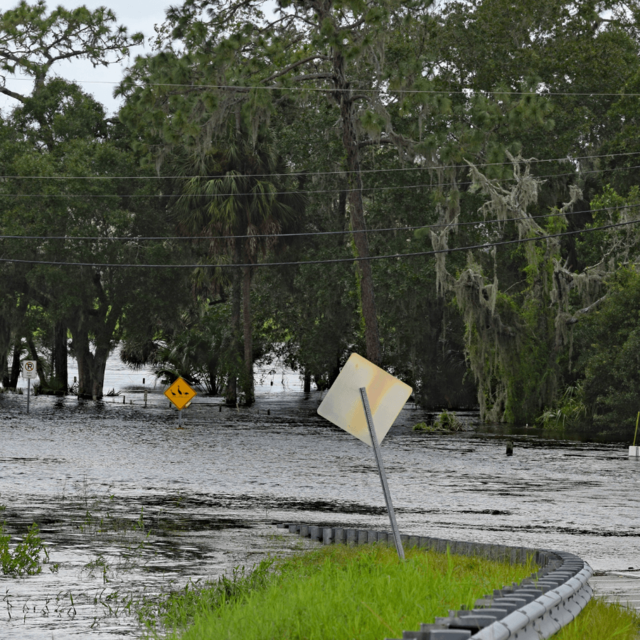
[{"x": 180, "y": 393}]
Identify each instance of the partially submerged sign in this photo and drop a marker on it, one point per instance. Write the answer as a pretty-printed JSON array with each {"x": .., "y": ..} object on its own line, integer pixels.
[
  {"x": 180, "y": 393},
  {"x": 343, "y": 403}
]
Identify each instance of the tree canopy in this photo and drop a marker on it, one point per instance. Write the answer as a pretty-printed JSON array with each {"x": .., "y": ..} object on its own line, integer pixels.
[{"x": 321, "y": 136}]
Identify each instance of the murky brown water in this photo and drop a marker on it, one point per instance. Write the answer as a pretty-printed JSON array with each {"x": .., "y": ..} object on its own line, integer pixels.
[{"x": 131, "y": 505}]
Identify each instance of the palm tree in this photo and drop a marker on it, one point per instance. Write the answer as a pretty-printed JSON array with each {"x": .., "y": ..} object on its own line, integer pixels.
[{"x": 235, "y": 194}]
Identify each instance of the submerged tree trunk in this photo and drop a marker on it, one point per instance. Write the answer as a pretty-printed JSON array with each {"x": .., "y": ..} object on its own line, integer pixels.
[
  {"x": 307, "y": 382},
  {"x": 59, "y": 378},
  {"x": 91, "y": 366},
  {"x": 248, "y": 337}
]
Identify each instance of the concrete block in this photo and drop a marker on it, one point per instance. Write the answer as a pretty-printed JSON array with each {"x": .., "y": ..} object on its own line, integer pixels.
[
  {"x": 315, "y": 533},
  {"x": 424, "y": 542},
  {"x": 372, "y": 536},
  {"x": 363, "y": 536},
  {"x": 414, "y": 541},
  {"x": 327, "y": 535},
  {"x": 339, "y": 535},
  {"x": 351, "y": 536},
  {"x": 304, "y": 530}
]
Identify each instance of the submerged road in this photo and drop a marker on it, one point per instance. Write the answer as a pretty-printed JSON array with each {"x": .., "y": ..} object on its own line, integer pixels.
[{"x": 131, "y": 505}]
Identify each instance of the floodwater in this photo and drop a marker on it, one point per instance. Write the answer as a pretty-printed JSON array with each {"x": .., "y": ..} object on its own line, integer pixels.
[{"x": 130, "y": 506}]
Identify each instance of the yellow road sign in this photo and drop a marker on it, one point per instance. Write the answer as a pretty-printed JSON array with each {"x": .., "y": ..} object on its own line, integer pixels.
[
  {"x": 180, "y": 393},
  {"x": 343, "y": 403}
]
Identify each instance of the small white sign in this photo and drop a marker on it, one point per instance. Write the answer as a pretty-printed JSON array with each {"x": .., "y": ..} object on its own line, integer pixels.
[
  {"x": 343, "y": 403},
  {"x": 29, "y": 370}
]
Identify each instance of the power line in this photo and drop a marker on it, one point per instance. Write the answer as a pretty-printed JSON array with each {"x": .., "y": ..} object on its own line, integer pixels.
[
  {"x": 284, "y": 193},
  {"x": 485, "y": 246},
  {"x": 321, "y": 233},
  {"x": 381, "y": 91},
  {"x": 321, "y": 173}
]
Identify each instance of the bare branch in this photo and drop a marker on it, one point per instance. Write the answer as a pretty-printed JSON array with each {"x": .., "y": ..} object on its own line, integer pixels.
[{"x": 293, "y": 66}]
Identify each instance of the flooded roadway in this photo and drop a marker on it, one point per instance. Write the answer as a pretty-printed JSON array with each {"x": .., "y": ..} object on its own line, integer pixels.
[{"x": 130, "y": 506}]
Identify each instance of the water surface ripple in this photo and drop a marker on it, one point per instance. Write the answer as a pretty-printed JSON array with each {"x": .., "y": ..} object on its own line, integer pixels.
[{"x": 130, "y": 505}]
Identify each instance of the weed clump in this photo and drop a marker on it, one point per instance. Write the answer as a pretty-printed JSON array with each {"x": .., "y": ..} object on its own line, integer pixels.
[{"x": 446, "y": 421}]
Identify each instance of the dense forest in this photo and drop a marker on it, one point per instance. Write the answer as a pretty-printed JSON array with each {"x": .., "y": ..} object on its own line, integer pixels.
[{"x": 450, "y": 189}]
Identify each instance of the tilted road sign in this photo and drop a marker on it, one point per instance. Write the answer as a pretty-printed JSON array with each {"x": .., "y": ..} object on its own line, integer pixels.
[
  {"x": 180, "y": 393},
  {"x": 343, "y": 403},
  {"x": 365, "y": 400}
]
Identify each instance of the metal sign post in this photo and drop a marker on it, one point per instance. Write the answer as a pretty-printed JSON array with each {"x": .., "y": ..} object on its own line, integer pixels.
[
  {"x": 29, "y": 371},
  {"x": 383, "y": 475},
  {"x": 365, "y": 401}
]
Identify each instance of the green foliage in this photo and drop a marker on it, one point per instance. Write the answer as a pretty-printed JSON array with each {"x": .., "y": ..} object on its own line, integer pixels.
[
  {"x": 609, "y": 343},
  {"x": 569, "y": 412},
  {"x": 446, "y": 421},
  {"x": 25, "y": 559}
]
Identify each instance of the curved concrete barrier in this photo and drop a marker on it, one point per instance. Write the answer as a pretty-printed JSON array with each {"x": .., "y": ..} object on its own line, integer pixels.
[{"x": 535, "y": 609}]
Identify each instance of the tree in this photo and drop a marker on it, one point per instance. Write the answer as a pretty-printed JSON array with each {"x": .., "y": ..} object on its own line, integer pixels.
[
  {"x": 70, "y": 189},
  {"x": 33, "y": 40}
]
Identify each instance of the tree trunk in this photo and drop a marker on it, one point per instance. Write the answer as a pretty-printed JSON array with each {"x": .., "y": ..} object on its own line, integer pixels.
[
  {"x": 15, "y": 363},
  {"x": 248, "y": 337},
  {"x": 5, "y": 346},
  {"x": 91, "y": 366},
  {"x": 235, "y": 366},
  {"x": 307, "y": 382},
  {"x": 356, "y": 207},
  {"x": 60, "y": 379}
]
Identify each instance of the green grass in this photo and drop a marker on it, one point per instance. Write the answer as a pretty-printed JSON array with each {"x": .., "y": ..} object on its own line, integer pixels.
[
  {"x": 602, "y": 620},
  {"x": 335, "y": 592}
]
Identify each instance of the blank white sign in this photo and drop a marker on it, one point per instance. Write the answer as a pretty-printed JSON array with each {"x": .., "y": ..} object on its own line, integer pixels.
[{"x": 343, "y": 403}]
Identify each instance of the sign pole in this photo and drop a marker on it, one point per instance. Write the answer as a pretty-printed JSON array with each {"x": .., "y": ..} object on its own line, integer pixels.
[
  {"x": 28, "y": 392},
  {"x": 180, "y": 418},
  {"x": 383, "y": 476}
]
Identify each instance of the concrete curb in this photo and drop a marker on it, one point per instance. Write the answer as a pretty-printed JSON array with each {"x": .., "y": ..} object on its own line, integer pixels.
[{"x": 535, "y": 609}]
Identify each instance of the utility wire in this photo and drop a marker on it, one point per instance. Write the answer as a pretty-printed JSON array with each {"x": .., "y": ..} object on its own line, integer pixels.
[
  {"x": 485, "y": 246},
  {"x": 321, "y": 173},
  {"x": 246, "y": 89},
  {"x": 285, "y": 193},
  {"x": 323, "y": 233}
]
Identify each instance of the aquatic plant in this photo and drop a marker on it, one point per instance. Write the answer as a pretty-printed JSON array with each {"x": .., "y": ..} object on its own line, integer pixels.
[{"x": 25, "y": 558}]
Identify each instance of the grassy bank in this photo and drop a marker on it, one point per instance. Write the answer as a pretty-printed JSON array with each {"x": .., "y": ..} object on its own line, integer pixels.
[
  {"x": 601, "y": 620},
  {"x": 335, "y": 592}
]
